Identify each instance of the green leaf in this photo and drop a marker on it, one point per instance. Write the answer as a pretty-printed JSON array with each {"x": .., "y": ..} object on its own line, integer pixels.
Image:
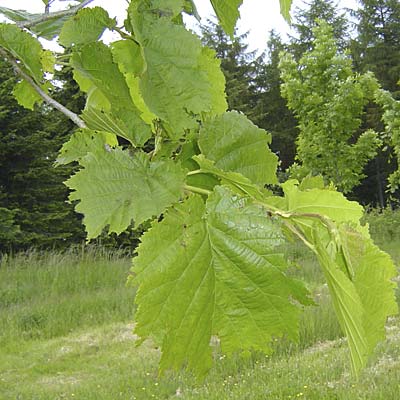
[
  {"x": 173, "y": 56},
  {"x": 18, "y": 15},
  {"x": 348, "y": 306},
  {"x": 357, "y": 272},
  {"x": 24, "y": 48},
  {"x": 94, "y": 63},
  {"x": 134, "y": 89},
  {"x": 325, "y": 202},
  {"x": 211, "y": 65},
  {"x": 95, "y": 69},
  {"x": 312, "y": 182},
  {"x": 234, "y": 180},
  {"x": 85, "y": 141},
  {"x": 359, "y": 278},
  {"x": 48, "y": 61},
  {"x": 218, "y": 272},
  {"x": 227, "y": 12},
  {"x": 97, "y": 119},
  {"x": 49, "y": 29},
  {"x": 115, "y": 188},
  {"x": 127, "y": 54},
  {"x": 190, "y": 8},
  {"x": 235, "y": 144},
  {"x": 207, "y": 180},
  {"x": 26, "y": 95},
  {"x": 285, "y": 9},
  {"x": 85, "y": 27},
  {"x": 372, "y": 272},
  {"x": 46, "y": 29}
]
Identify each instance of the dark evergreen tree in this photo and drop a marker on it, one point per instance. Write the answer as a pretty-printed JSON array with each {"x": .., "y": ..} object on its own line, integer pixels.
[
  {"x": 30, "y": 187},
  {"x": 306, "y": 18},
  {"x": 270, "y": 108},
  {"x": 236, "y": 64},
  {"x": 377, "y": 47}
]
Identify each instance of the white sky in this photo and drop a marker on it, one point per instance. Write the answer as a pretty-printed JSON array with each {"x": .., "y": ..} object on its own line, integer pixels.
[{"x": 257, "y": 16}]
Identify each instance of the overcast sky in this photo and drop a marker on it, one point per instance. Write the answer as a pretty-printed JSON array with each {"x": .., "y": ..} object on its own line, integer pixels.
[{"x": 257, "y": 16}]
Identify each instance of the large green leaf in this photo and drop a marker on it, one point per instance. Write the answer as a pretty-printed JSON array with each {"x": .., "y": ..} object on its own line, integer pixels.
[
  {"x": 371, "y": 270},
  {"x": 235, "y": 144},
  {"x": 347, "y": 303},
  {"x": 228, "y": 13},
  {"x": 359, "y": 278},
  {"x": 325, "y": 202},
  {"x": 173, "y": 56},
  {"x": 357, "y": 272},
  {"x": 95, "y": 70},
  {"x": 94, "y": 62},
  {"x": 115, "y": 188},
  {"x": 85, "y": 141},
  {"x": 85, "y": 27},
  {"x": 216, "y": 271}
]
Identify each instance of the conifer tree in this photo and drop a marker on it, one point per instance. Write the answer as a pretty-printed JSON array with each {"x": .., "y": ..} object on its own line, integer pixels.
[
  {"x": 270, "y": 108},
  {"x": 306, "y": 19},
  {"x": 236, "y": 65},
  {"x": 30, "y": 188},
  {"x": 377, "y": 48}
]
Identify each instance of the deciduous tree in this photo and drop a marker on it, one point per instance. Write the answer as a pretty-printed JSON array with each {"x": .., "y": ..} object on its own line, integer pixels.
[{"x": 328, "y": 99}]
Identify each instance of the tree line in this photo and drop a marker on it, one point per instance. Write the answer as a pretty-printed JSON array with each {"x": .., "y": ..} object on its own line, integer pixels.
[{"x": 295, "y": 90}]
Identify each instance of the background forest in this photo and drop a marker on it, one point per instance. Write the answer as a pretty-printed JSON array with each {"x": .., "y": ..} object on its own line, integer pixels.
[{"x": 33, "y": 200}]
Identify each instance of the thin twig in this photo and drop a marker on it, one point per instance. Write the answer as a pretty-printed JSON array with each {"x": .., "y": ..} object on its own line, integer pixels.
[
  {"x": 195, "y": 189},
  {"x": 53, "y": 103},
  {"x": 53, "y": 15}
]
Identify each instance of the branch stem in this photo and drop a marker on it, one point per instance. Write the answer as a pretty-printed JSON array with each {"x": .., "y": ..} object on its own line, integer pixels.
[
  {"x": 197, "y": 190},
  {"x": 57, "y": 14},
  {"x": 195, "y": 172},
  {"x": 53, "y": 103}
]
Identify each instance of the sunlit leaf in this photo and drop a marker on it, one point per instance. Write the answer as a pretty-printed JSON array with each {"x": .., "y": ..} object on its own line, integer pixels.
[
  {"x": 217, "y": 272},
  {"x": 85, "y": 27},
  {"x": 228, "y": 13},
  {"x": 26, "y": 95},
  {"x": 84, "y": 141},
  {"x": 235, "y": 144},
  {"x": 115, "y": 188}
]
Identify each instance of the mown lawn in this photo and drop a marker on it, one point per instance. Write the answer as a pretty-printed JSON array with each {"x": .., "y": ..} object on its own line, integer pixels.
[{"x": 66, "y": 333}]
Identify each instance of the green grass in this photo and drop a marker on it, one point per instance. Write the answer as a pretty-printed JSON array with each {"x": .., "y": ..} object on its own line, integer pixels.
[
  {"x": 66, "y": 333},
  {"x": 103, "y": 363},
  {"x": 45, "y": 295}
]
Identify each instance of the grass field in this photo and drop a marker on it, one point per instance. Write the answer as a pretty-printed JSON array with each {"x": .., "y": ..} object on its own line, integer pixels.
[{"x": 66, "y": 333}]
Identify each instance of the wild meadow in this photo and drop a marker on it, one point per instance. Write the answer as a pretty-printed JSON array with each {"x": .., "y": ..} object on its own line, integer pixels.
[{"x": 66, "y": 333}]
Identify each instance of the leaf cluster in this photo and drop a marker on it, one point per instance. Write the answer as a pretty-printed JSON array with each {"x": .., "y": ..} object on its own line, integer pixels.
[{"x": 157, "y": 144}]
